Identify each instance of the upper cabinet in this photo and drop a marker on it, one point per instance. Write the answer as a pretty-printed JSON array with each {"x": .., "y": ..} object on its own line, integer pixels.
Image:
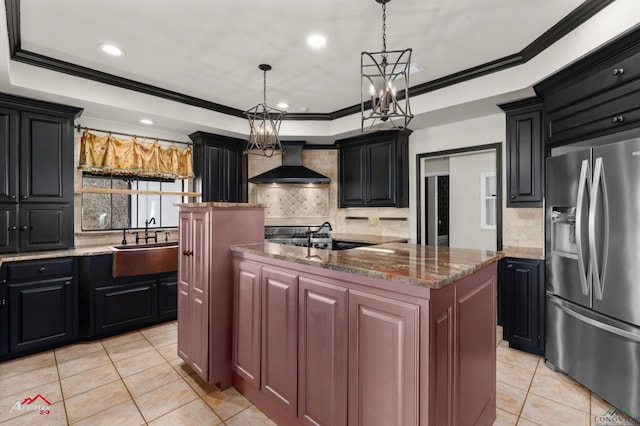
[
  {"x": 36, "y": 174},
  {"x": 220, "y": 167},
  {"x": 374, "y": 169},
  {"x": 596, "y": 95},
  {"x": 524, "y": 153}
]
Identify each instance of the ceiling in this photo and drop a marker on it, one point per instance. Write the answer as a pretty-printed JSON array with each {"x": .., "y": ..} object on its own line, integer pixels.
[{"x": 210, "y": 50}]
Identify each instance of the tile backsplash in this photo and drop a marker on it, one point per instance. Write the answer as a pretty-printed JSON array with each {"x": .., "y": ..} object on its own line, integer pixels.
[
  {"x": 298, "y": 201},
  {"x": 523, "y": 227}
]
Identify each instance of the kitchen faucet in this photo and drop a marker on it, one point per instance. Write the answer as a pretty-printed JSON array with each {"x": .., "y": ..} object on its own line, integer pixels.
[
  {"x": 310, "y": 233},
  {"x": 147, "y": 237}
]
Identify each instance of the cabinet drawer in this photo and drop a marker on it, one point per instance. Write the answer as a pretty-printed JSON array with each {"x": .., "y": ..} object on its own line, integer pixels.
[
  {"x": 39, "y": 269},
  {"x": 596, "y": 118},
  {"x": 605, "y": 77}
]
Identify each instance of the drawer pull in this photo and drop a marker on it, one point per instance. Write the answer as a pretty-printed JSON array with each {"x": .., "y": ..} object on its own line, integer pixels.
[
  {"x": 618, "y": 71},
  {"x": 42, "y": 269},
  {"x": 617, "y": 119}
]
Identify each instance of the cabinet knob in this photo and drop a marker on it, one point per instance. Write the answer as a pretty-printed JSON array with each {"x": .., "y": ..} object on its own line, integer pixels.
[
  {"x": 67, "y": 283},
  {"x": 618, "y": 71},
  {"x": 23, "y": 197},
  {"x": 42, "y": 269},
  {"x": 13, "y": 228},
  {"x": 509, "y": 266},
  {"x": 24, "y": 227},
  {"x": 617, "y": 119},
  {"x": 12, "y": 197},
  {"x": 513, "y": 197},
  {"x": 185, "y": 253}
]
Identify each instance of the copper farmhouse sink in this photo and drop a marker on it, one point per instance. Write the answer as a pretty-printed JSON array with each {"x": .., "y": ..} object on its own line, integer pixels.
[{"x": 144, "y": 259}]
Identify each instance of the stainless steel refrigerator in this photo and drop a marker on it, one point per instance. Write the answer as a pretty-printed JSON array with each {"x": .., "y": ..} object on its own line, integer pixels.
[{"x": 592, "y": 213}]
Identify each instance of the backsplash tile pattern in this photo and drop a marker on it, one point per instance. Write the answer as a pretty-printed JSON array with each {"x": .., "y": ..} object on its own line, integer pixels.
[
  {"x": 523, "y": 227},
  {"x": 302, "y": 201}
]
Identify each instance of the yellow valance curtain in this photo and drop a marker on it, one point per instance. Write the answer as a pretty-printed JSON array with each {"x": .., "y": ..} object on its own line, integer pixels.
[{"x": 112, "y": 156}]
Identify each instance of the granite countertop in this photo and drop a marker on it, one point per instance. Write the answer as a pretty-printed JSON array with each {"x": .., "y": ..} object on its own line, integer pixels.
[
  {"x": 536, "y": 253},
  {"x": 424, "y": 266},
  {"x": 368, "y": 239},
  {"x": 50, "y": 254}
]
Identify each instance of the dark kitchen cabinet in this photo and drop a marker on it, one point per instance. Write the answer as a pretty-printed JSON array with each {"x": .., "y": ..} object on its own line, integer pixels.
[
  {"x": 220, "y": 167},
  {"x": 595, "y": 96},
  {"x": 36, "y": 181},
  {"x": 4, "y": 313},
  {"x": 524, "y": 153},
  {"x": 111, "y": 305},
  {"x": 374, "y": 170},
  {"x": 523, "y": 303},
  {"x": 42, "y": 303}
]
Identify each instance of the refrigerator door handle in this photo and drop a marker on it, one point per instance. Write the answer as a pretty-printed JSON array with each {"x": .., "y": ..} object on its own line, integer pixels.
[
  {"x": 584, "y": 182},
  {"x": 598, "y": 275}
]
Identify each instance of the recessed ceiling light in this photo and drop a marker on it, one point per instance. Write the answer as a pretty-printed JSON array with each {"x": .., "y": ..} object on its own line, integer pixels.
[
  {"x": 316, "y": 41},
  {"x": 110, "y": 49},
  {"x": 283, "y": 105},
  {"x": 146, "y": 121}
]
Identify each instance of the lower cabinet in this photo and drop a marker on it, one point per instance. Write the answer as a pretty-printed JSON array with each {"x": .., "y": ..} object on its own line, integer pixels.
[
  {"x": 111, "y": 305},
  {"x": 383, "y": 358},
  {"x": 523, "y": 303},
  {"x": 310, "y": 350},
  {"x": 39, "y": 303},
  {"x": 322, "y": 352}
]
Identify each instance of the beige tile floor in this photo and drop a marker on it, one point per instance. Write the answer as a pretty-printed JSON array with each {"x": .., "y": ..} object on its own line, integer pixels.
[{"x": 137, "y": 379}]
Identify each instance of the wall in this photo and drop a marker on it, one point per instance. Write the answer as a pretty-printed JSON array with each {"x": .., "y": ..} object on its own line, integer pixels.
[
  {"x": 520, "y": 227},
  {"x": 307, "y": 204},
  {"x": 464, "y": 201}
]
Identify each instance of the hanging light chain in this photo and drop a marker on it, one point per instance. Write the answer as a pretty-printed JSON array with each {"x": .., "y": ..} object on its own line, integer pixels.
[
  {"x": 264, "y": 92},
  {"x": 384, "y": 26}
]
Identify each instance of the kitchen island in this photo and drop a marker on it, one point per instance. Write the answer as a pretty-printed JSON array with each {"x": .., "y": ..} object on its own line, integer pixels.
[{"x": 392, "y": 334}]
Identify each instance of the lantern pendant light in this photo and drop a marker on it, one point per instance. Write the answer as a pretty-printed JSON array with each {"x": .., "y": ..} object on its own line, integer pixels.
[
  {"x": 265, "y": 125},
  {"x": 384, "y": 100}
]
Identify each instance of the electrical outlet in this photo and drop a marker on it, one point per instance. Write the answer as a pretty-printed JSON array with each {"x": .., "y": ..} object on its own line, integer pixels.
[{"x": 374, "y": 220}]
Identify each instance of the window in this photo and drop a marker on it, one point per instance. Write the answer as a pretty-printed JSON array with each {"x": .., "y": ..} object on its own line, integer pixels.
[
  {"x": 488, "y": 200},
  {"x": 106, "y": 211}
]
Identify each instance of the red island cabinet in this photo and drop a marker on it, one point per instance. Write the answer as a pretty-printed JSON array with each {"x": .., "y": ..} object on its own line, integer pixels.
[
  {"x": 205, "y": 282},
  {"x": 360, "y": 350}
]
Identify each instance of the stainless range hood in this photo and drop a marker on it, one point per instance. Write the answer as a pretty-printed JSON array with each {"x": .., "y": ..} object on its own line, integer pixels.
[{"x": 291, "y": 170}]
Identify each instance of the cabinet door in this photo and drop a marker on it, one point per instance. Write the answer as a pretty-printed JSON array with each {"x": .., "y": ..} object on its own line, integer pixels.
[
  {"x": 8, "y": 155},
  {"x": 524, "y": 158},
  {"x": 322, "y": 353},
  {"x": 246, "y": 322},
  {"x": 46, "y": 159},
  {"x": 279, "y": 370},
  {"x": 380, "y": 176},
  {"x": 352, "y": 170},
  {"x": 45, "y": 226},
  {"x": 167, "y": 298},
  {"x": 124, "y": 307},
  {"x": 193, "y": 291},
  {"x": 383, "y": 360},
  {"x": 4, "y": 313},
  {"x": 523, "y": 293},
  {"x": 8, "y": 228},
  {"x": 41, "y": 313}
]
